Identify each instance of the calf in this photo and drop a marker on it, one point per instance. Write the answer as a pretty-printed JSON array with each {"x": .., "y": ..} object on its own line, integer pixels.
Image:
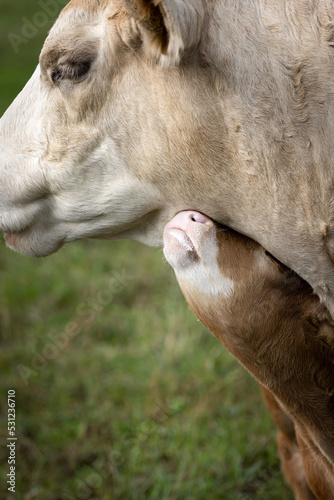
[{"x": 271, "y": 321}]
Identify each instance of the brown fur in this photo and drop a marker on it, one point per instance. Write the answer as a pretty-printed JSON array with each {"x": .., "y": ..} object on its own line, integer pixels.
[
  {"x": 278, "y": 329},
  {"x": 289, "y": 451},
  {"x": 149, "y": 15}
]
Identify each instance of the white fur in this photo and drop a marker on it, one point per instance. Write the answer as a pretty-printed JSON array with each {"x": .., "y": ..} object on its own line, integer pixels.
[
  {"x": 228, "y": 124},
  {"x": 207, "y": 279},
  {"x": 202, "y": 273}
]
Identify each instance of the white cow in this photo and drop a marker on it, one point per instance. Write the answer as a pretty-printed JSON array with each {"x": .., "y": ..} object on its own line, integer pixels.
[{"x": 140, "y": 109}]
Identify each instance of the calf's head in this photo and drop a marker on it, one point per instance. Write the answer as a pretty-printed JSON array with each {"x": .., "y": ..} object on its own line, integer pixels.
[
  {"x": 266, "y": 316},
  {"x": 262, "y": 311},
  {"x": 223, "y": 274},
  {"x": 85, "y": 149}
]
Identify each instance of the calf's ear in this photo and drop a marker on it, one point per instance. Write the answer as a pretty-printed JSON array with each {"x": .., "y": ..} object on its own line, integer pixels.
[{"x": 168, "y": 28}]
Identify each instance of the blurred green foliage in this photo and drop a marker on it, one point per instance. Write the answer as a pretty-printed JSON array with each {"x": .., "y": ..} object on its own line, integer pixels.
[
  {"x": 23, "y": 27},
  {"x": 120, "y": 392}
]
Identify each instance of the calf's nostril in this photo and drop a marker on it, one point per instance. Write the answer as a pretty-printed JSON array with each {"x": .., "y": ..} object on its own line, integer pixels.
[{"x": 200, "y": 218}]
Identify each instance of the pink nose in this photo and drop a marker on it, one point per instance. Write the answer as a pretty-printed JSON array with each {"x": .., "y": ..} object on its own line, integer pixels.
[{"x": 183, "y": 219}]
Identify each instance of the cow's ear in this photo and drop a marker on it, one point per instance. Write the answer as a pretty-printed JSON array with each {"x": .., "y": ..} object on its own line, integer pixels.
[{"x": 168, "y": 28}]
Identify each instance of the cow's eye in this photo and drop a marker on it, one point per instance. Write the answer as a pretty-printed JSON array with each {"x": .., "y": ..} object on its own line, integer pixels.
[{"x": 74, "y": 71}]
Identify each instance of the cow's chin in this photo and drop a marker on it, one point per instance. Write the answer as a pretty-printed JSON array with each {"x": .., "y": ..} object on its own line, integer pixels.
[{"x": 33, "y": 243}]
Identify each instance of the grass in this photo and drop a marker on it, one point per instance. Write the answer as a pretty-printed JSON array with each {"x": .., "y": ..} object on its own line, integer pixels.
[{"x": 120, "y": 392}]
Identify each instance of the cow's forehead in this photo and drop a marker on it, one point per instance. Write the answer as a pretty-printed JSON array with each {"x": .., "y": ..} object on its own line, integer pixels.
[
  {"x": 74, "y": 20},
  {"x": 89, "y": 5}
]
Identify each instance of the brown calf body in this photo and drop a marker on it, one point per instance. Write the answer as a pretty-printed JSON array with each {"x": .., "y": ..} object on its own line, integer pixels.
[{"x": 278, "y": 329}]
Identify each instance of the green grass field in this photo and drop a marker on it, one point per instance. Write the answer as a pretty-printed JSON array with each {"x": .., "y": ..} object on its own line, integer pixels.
[{"x": 120, "y": 393}]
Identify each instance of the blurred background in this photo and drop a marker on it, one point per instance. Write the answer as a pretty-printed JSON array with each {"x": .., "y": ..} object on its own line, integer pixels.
[{"x": 120, "y": 392}]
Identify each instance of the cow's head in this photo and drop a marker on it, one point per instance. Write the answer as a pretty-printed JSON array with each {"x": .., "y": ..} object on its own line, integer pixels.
[{"x": 91, "y": 146}]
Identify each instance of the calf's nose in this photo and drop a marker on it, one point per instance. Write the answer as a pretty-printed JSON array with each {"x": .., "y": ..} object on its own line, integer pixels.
[{"x": 188, "y": 217}]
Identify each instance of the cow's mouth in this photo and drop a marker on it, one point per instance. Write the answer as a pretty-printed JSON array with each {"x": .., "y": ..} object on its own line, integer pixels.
[
  {"x": 11, "y": 238},
  {"x": 33, "y": 241},
  {"x": 14, "y": 237}
]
